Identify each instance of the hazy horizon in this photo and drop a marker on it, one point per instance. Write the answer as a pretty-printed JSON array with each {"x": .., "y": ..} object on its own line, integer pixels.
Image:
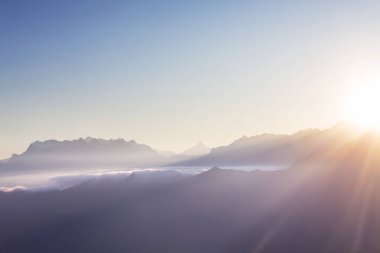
[
  {"x": 172, "y": 74},
  {"x": 179, "y": 151}
]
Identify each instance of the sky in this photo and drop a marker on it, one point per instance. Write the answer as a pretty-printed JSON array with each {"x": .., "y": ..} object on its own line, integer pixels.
[{"x": 173, "y": 73}]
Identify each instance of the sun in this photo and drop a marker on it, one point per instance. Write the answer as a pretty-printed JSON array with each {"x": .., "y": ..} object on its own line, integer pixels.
[{"x": 363, "y": 105}]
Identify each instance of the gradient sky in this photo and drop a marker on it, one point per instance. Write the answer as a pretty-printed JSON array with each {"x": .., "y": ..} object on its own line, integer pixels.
[{"x": 172, "y": 73}]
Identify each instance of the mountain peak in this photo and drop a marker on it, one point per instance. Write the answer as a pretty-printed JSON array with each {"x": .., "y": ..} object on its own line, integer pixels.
[
  {"x": 89, "y": 139},
  {"x": 198, "y": 149}
]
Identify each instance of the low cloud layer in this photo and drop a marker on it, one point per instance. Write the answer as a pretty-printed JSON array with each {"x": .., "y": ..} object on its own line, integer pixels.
[{"x": 62, "y": 182}]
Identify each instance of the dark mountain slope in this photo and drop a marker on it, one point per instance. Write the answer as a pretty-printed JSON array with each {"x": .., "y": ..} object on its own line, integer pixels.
[{"x": 332, "y": 206}]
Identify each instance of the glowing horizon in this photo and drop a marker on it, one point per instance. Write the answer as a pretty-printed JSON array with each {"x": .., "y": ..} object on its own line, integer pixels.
[{"x": 171, "y": 74}]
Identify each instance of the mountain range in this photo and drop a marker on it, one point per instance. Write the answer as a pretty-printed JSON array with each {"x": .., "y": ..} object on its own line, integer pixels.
[
  {"x": 274, "y": 149},
  {"x": 263, "y": 149},
  {"x": 333, "y": 208},
  {"x": 83, "y": 153}
]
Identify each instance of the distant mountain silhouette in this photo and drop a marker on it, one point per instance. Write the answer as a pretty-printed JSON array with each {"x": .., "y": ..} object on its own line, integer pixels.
[
  {"x": 83, "y": 153},
  {"x": 273, "y": 149},
  {"x": 264, "y": 149},
  {"x": 197, "y": 150}
]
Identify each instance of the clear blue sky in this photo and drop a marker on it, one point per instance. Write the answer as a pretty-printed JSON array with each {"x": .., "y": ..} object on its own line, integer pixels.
[{"x": 172, "y": 73}]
